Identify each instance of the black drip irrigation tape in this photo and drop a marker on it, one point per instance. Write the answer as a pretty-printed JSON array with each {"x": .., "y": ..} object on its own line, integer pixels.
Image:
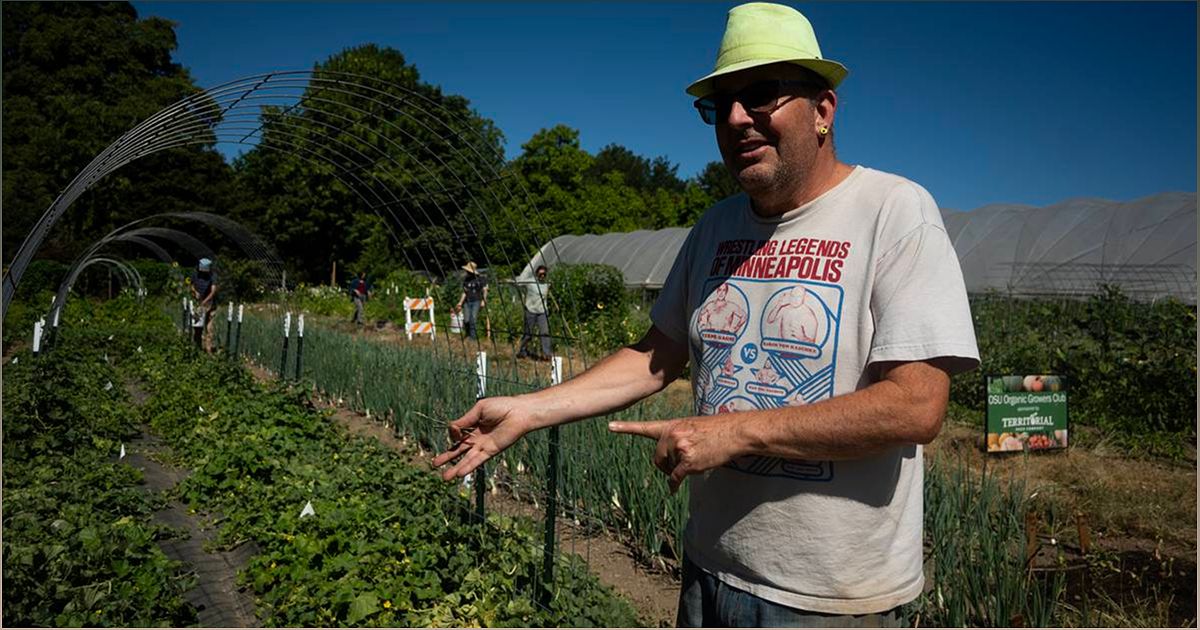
[{"x": 218, "y": 600}]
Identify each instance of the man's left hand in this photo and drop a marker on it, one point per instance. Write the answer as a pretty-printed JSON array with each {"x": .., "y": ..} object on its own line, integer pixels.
[{"x": 686, "y": 446}]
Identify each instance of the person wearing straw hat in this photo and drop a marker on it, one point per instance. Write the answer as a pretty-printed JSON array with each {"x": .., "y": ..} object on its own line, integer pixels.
[
  {"x": 805, "y": 453},
  {"x": 473, "y": 298}
]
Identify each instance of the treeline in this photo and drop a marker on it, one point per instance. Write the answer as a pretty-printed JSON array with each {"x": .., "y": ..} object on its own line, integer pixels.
[{"x": 408, "y": 176}]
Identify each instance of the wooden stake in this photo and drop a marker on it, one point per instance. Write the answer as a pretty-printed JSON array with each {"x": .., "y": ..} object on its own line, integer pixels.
[
  {"x": 1031, "y": 540},
  {"x": 1085, "y": 537}
]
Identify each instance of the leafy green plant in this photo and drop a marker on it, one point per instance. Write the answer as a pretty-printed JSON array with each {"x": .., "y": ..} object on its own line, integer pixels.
[
  {"x": 388, "y": 545},
  {"x": 79, "y": 546}
]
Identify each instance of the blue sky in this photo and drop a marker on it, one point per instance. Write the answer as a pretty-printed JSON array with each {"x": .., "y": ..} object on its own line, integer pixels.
[{"x": 979, "y": 102}]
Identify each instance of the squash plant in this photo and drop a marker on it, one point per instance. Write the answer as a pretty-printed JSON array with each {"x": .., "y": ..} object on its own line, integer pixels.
[{"x": 388, "y": 545}]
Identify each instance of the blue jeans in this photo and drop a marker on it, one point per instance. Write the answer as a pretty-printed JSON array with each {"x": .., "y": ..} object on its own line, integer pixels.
[
  {"x": 470, "y": 319},
  {"x": 705, "y": 602}
]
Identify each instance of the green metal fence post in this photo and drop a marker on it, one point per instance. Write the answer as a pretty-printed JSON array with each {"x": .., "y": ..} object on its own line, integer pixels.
[
  {"x": 287, "y": 333},
  {"x": 237, "y": 335},
  {"x": 299, "y": 346},
  {"x": 228, "y": 329},
  {"x": 481, "y": 472},
  {"x": 551, "y": 498}
]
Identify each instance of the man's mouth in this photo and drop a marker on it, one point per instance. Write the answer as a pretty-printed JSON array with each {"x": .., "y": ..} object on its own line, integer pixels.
[{"x": 750, "y": 149}]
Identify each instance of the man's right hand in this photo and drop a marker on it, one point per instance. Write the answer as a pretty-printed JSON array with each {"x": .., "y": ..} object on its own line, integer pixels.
[{"x": 491, "y": 426}]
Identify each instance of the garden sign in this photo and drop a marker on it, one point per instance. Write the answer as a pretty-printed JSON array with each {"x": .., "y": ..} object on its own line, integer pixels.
[{"x": 1026, "y": 413}]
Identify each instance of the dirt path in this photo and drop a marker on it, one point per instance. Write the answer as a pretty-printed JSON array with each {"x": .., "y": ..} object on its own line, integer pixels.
[
  {"x": 653, "y": 592},
  {"x": 219, "y": 602}
]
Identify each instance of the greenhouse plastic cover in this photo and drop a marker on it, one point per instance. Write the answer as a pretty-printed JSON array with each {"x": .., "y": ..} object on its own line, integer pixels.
[{"x": 1147, "y": 247}]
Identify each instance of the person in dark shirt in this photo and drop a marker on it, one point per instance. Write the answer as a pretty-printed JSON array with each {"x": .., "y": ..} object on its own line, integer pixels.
[
  {"x": 359, "y": 294},
  {"x": 204, "y": 291},
  {"x": 473, "y": 298}
]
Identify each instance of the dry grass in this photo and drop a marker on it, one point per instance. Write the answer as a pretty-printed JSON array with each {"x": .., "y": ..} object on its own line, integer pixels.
[{"x": 1120, "y": 496}]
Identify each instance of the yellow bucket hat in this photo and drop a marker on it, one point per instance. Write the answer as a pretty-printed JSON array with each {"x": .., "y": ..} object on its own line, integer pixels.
[{"x": 761, "y": 33}]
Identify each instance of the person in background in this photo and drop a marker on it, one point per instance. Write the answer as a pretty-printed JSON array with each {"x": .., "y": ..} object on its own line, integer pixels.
[
  {"x": 473, "y": 298},
  {"x": 537, "y": 295},
  {"x": 834, "y": 315},
  {"x": 359, "y": 293},
  {"x": 204, "y": 292}
]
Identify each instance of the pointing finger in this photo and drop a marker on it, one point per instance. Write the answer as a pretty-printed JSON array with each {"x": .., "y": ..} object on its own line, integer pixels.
[{"x": 652, "y": 429}]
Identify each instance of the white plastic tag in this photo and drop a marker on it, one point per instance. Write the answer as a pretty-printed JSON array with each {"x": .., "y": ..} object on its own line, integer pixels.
[
  {"x": 481, "y": 373},
  {"x": 556, "y": 371},
  {"x": 122, "y": 455},
  {"x": 308, "y": 510}
]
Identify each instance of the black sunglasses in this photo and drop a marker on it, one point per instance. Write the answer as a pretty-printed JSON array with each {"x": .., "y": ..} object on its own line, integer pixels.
[{"x": 762, "y": 97}]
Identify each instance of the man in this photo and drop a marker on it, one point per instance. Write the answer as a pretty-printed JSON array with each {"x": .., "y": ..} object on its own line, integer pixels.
[
  {"x": 359, "y": 294},
  {"x": 473, "y": 298},
  {"x": 537, "y": 295},
  {"x": 204, "y": 292},
  {"x": 806, "y": 497}
]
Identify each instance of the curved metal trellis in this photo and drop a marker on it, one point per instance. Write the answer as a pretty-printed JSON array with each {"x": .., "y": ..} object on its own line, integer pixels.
[
  {"x": 131, "y": 233},
  {"x": 346, "y": 126},
  {"x": 399, "y": 155},
  {"x": 133, "y": 279}
]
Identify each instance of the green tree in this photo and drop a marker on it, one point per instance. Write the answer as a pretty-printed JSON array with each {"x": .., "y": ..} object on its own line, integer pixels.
[
  {"x": 717, "y": 182},
  {"x": 394, "y": 148},
  {"x": 77, "y": 75}
]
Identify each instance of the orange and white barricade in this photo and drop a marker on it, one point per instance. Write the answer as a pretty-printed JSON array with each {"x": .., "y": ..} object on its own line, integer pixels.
[{"x": 420, "y": 328}]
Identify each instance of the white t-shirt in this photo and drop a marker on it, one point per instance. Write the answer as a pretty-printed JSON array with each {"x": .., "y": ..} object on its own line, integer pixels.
[{"x": 791, "y": 310}]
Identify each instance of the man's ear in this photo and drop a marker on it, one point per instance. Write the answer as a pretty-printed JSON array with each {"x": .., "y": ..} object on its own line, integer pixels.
[{"x": 824, "y": 109}]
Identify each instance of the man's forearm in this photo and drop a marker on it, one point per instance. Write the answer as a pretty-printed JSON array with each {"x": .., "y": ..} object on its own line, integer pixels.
[
  {"x": 907, "y": 410},
  {"x": 616, "y": 382}
]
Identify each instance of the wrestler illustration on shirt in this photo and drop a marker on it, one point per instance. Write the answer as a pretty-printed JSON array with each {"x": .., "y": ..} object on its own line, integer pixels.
[
  {"x": 767, "y": 374},
  {"x": 793, "y": 317},
  {"x": 728, "y": 369},
  {"x": 736, "y": 404},
  {"x": 722, "y": 313}
]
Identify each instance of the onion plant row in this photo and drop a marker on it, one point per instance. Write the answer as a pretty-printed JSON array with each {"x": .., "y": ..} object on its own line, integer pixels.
[{"x": 974, "y": 525}]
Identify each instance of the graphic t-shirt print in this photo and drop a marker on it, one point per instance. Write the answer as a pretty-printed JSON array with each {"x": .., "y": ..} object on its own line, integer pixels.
[{"x": 768, "y": 331}]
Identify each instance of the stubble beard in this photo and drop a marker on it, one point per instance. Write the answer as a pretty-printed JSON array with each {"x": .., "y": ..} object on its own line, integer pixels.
[{"x": 769, "y": 182}]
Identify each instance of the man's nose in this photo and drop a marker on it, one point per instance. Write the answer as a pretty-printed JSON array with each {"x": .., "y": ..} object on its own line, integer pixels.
[{"x": 738, "y": 116}]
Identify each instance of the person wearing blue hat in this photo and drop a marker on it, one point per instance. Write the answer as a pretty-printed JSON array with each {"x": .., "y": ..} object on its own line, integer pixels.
[
  {"x": 204, "y": 292},
  {"x": 822, "y": 312}
]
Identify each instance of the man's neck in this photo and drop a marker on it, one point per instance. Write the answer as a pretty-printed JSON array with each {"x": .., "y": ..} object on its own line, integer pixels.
[{"x": 826, "y": 174}]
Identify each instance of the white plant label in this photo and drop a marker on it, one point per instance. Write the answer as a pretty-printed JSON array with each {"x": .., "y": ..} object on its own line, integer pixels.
[
  {"x": 241, "y": 307},
  {"x": 556, "y": 371},
  {"x": 481, "y": 372},
  {"x": 300, "y": 325},
  {"x": 122, "y": 455},
  {"x": 229, "y": 314},
  {"x": 37, "y": 336},
  {"x": 287, "y": 324},
  {"x": 108, "y": 386},
  {"x": 308, "y": 510}
]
